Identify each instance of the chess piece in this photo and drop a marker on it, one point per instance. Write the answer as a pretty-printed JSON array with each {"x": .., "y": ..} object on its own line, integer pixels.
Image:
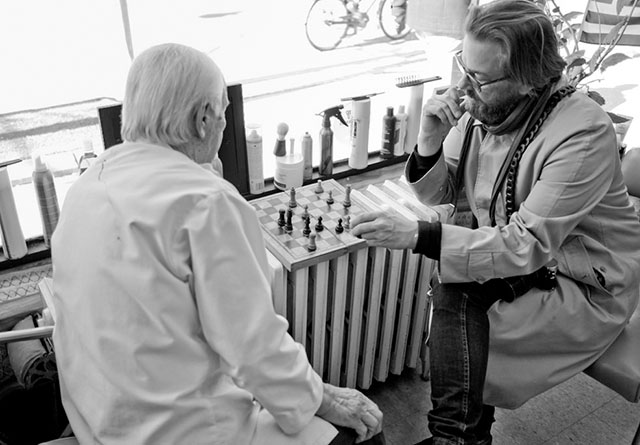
[
  {"x": 319, "y": 188},
  {"x": 347, "y": 221},
  {"x": 305, "y": 214},
  {"x": 330, "y": 198},
  {"x": 281, "y": 221},
  {"x": 319, "y": 226},
  {"x": 347, "y": 196},
  {"x": 339, "y": 227},
  {"x": 289, "y": 225},
  {"x": 311, "y": 247},
  {"x": 307, "y": 230},
  {"x": 292, "y": 198}
]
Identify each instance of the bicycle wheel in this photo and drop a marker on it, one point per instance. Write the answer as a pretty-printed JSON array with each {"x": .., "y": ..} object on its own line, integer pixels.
[
  {"x": 392, "y": 16},
  {"x": 327, "y": 23}
]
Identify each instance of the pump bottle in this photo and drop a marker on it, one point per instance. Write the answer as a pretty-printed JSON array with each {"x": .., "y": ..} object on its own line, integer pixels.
[
  {"x": 47, "y": 198},
  {"x": 388, "y": 133},
  {"x": 87, "y": 158},
  {"x": 326, "y": 139}
]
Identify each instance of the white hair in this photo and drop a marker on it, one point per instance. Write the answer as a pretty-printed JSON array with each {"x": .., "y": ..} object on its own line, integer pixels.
[{"x": 166, "y": 86}]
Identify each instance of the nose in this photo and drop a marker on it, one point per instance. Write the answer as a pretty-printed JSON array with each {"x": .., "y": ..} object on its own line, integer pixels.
[{"x": 464, "y": 83}]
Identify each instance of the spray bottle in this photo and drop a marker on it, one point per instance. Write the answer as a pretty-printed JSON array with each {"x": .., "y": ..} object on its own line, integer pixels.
[{"x": 326, "y": 139}]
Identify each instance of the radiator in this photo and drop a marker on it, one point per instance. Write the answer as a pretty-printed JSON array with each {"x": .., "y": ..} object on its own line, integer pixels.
[{"x": 360, "y": 312}]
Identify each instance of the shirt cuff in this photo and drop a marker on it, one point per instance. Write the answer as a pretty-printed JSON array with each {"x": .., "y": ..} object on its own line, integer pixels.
[
  {"x": 421, "y": 165},
  {"x": 429, "y": 239}
]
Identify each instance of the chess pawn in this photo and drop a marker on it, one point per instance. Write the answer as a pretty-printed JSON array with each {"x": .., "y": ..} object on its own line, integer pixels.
[
  {"x": 311, "y": 247},
  {"x": 281, "y": 221},
  {"x": 305, "y": 213},
  {"x": 347, "y": 221},
  {"x": 330, "y": 198},
  {"x": 319, "y": 226},
  {"x": 339, "y": 227},
  {"x": 319, "y": 188}
]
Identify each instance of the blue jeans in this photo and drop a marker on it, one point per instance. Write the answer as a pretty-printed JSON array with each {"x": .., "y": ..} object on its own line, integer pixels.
[{"x": 458, "y": 353}]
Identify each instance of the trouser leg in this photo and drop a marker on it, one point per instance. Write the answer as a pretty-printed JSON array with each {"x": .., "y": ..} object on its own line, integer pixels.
[{"x": 459, "y": 349}]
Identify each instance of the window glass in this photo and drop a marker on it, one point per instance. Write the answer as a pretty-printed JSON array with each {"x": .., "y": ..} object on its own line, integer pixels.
[{"x": 62, "y": 60}]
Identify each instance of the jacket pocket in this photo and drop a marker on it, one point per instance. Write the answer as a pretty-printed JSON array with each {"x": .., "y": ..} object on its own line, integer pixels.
[{"x": 575, "y": 263}]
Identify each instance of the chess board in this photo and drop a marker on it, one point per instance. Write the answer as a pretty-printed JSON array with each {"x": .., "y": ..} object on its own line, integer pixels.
[{"x": 291, "y": 248}]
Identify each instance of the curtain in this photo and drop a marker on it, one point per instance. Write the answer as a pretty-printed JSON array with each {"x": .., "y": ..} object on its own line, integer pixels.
[{"x": 602, "y": 15}]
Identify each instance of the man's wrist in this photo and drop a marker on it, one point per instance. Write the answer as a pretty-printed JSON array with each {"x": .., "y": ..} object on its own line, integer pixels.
[{"x": 428, "y": 145}]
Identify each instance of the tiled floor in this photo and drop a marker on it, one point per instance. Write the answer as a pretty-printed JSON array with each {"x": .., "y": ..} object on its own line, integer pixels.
[{"x": 580, "y": 411}]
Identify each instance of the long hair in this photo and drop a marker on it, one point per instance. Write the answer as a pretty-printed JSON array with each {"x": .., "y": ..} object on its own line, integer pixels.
[
  {"x": 166, "y": 86},
  {"x": 526, "y": 36}
]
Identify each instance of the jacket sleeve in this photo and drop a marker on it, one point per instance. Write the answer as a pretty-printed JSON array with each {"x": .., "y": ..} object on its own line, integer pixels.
[{"x": 233, "y": 294}]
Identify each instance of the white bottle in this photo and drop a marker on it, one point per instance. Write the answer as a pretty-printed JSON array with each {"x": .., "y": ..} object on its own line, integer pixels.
[
  {"x": 361, "y": 114},
  {"x": 307, "y": 152},
  {"x": 88, "y": 157},
  {"x": 47, "y": 198},
  {"x": 254, "y": 159},
  {"x": 400, "y": 132},
  {"x": 289, "y": 170},
  {"x": 13, "y": 242}
]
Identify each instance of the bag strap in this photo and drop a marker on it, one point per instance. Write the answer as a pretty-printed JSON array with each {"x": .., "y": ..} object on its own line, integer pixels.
[{"x": 509, "y": 168}]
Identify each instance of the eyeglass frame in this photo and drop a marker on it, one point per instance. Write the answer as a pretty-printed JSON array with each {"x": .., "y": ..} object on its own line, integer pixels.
[{"x": 475, "y": 83}]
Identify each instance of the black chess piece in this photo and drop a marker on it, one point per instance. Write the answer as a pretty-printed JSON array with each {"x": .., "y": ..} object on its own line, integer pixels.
[
  {"x": 330, "y": 198},
  {"x": 281, "y": 221},
  {"x": 289, "y": 225},
  {"x": 319, "y": 226},
  {"x": 339, "y": 227},
  {"x": 306, "y": 230}
]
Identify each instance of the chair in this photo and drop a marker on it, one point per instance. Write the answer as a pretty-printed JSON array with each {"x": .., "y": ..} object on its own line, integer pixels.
[{"x": 619, "y": 366}]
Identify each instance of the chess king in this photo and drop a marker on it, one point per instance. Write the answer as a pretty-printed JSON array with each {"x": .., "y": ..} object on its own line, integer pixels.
[{"x": 166, "y": 331}]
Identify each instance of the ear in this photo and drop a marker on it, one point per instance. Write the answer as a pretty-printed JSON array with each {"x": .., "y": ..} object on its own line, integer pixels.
[{"x": 201, "y": 121}]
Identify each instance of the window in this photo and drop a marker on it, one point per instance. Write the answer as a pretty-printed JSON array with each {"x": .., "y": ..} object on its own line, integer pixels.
[{"x": 64, "y": 60}]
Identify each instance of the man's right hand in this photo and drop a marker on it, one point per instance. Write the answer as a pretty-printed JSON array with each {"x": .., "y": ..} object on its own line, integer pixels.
[
  {"x": 350, "y": 408},
  {"x": 439, "y": 115}
]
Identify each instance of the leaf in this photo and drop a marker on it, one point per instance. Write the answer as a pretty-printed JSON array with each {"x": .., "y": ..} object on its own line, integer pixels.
[
  {"x": 619, "y": 5},
  {"x": 594, "y": 59},
  {"x": 596, "y": 96},
  {"x": 572, "y": 15},
  {"x": 611, "y": 35},
  {"x": 613, "y": 59},
  {"x": 617, "y": 119},
  {"x": 577, "y": 62}
]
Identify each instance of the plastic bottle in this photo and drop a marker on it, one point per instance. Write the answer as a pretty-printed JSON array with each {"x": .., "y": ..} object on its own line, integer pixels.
[
  {"x": 307, "y": 152},
  {"x": 88, "y": 157},
  {"x": 254, "y": 158},
  {"x": 326, "y": 139},
  {"x": 359, "y": 123},
  {"x": 400, "y": 133},
  {"x": 13, "y": 242},
  {"x": 47, "y": 198},
  {"x": 388, "y": 132},
  {"x": 289, "y": 169}
]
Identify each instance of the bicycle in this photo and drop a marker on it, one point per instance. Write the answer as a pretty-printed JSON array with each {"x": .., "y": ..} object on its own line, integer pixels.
[{"x": 330, "y": 21}]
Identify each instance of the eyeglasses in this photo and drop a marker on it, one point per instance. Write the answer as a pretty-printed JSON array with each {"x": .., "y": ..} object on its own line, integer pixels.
[{"x": 475, "y": 83}]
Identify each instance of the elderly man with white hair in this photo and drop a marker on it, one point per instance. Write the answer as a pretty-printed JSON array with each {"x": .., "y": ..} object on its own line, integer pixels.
[{"x": 165, "y": 330}]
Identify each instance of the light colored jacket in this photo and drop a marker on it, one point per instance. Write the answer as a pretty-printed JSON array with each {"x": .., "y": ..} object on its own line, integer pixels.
[
  {"x": 165, "y": 329},
  {"x": 571, "y": 205}
]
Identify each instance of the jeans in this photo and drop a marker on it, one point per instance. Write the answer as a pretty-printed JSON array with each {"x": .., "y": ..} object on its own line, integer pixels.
[{"x": 459, "y": 349}]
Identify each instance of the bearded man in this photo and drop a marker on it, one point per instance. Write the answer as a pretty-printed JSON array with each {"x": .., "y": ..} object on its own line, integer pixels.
[{"x": 546, "y": 277}]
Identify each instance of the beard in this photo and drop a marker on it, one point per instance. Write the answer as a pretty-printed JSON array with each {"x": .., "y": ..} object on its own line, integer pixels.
[{"x": 495, "y": 110}]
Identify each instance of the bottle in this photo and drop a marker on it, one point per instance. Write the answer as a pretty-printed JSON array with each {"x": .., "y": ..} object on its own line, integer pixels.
[
  {"x": 359, "y": 123},
  {"x": 13, "y": 242},
  {"x": 400, "y": 133},
  {"x": 47, "y": 198},
  {"x": 307, "y": 152},
  {"x": 88, "y": 157},
  {"x": 289, "y": 169},
  {"x": 326, "y": 139},
  {"x": 254, "y": 158},
  {"x": 388, "y": 132}
]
